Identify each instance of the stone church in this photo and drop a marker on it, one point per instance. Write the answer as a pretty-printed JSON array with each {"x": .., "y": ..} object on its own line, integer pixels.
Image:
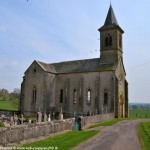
[{"x": 95, "y": 86}]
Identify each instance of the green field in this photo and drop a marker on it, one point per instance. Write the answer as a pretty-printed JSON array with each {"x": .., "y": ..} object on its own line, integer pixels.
[
  {"x": 64, "y": 141},
  {"x": 139, "y": 113},
  {"x": 9, "y": 105},
  {"x": 144, "y": 135}
]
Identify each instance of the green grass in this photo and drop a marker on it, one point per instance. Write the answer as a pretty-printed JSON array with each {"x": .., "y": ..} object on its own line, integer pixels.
[
  {"x": 144, "y": 135},
  {"x": 64, "y": 141},
  {"x": 9, "y": 105},
  {"x": 107, "y": 123}
]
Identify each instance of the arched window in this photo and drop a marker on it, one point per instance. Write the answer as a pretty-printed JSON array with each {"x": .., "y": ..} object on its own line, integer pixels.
[
  {"x": 61, "y": 96},
  {"x": 110, "y": 41},
  {"x": 106, "y": 41},
  {"x": 89, "y": 96},
  {"x": 34, "y": 92},
  {"x": 105, "y": 98},
  {"x": 74, "y": 96}
]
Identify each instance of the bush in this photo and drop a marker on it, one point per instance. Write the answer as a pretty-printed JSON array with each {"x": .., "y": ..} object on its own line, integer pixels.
[{"x": 1, "y": 124}]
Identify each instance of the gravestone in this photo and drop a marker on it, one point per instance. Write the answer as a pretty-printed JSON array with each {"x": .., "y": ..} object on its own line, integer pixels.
[
  {"x": 106, "y": 109},
  {"x": 61, "y": 117},
  {"x": 11, "y": 120},
  {"x": 15, "y": 119},
  {"x": 22, "y": 118},
  {"x": 39, "y": 116},
  {"x": 49, "y": 117},
  {"x": 30, "y": 121},
  {"x": 45, "y": 117}
]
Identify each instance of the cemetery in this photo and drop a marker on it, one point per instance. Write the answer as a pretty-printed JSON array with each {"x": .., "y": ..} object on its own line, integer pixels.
[{"x": 16, "y": 129}]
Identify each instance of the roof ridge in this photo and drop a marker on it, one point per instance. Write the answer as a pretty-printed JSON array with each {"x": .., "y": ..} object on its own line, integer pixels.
[{"x": 73, "y": 61}]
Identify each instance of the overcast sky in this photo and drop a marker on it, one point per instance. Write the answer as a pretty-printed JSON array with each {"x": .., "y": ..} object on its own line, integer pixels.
[{"x": 61, "y": 30}]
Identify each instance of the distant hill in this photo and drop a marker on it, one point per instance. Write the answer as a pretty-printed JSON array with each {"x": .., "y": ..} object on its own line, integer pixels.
[{"x": 139, "y": 104}]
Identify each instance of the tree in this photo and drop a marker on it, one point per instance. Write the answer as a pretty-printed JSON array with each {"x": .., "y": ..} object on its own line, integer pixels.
[
  {"x": 4, "y": 94},
  {"x": 15, "y": 95}
]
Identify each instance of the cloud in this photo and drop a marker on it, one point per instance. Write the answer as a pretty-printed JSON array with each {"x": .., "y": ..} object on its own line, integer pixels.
[{"x": 2, "y": 28}]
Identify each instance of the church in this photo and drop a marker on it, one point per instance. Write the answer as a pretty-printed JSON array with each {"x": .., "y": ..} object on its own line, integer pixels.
[{"x": 89, "y": 86}]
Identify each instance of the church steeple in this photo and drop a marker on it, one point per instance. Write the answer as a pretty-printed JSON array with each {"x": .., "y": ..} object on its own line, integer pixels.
[
  {"x": 110, "y": 39},
  {"x": 111, "y": 18},
  {"x": 111, "y": 21}
]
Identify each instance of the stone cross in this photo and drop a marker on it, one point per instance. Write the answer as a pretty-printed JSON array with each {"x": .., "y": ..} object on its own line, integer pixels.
[
  {"x": 61, "y": 117},
  {"x": 39, "y": 116}
]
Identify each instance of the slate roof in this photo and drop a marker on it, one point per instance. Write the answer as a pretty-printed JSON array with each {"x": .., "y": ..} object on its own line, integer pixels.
[
  {"x": 111, "y": 18},
  {"x": 77, "y": 66},
  {"x": 46, "y": 67},
  {"x": 111, "y": 21}
]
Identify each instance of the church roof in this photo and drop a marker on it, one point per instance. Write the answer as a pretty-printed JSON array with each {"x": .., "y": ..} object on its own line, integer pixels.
[
  {"x": 111, "y": 18},
  {"x": 111, "y": 21},
  {"x": 77, "y": 66},
  {"x": 46, "y": 67}
]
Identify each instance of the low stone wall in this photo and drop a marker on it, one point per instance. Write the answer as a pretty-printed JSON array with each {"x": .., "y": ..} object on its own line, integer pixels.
[
  {"x": 24, "y": 132},
  {"x": 86, "y": 121}
]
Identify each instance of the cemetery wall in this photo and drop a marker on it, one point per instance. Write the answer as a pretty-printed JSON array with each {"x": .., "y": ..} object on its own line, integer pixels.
[{"x": 14, "y": 134}]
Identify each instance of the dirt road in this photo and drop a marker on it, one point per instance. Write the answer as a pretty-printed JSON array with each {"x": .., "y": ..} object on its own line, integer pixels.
[{"x": 121, "y": 136}]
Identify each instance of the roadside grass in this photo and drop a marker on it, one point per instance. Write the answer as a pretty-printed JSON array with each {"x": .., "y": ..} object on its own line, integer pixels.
[
  {"x": 144, "y": 135},
  {"x": 9, "y": 105},
  {"x": 107, "y": 123},
  {"x": 64, "y": 141}
]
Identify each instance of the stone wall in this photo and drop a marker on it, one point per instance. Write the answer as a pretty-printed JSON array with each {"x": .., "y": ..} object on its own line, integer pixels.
[
  {"x": 29, "y": 131},
  {"x": 86, "y": 121}
]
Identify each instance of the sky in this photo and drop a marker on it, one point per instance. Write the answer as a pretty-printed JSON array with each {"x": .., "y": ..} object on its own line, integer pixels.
[{"x": 62, "y": 30}]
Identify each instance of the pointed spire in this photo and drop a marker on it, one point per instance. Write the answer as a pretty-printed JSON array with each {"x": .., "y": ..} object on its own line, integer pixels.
[{"x": 110, "y": 19}]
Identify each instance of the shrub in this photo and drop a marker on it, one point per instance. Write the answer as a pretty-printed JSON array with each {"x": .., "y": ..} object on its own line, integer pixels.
[{"x": 1, "y": 124}]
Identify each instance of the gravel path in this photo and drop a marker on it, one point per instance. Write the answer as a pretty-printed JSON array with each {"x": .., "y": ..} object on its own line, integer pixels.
[{"x": 121, "y": 136}]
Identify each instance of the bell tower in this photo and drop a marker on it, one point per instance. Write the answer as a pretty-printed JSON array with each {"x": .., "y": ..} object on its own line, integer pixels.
[{"x": 110, "y": 39}]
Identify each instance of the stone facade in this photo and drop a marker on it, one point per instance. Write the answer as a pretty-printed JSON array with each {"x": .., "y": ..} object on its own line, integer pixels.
[{"x": 91, "y": 86}]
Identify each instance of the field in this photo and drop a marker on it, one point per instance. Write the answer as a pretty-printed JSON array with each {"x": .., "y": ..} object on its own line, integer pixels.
[
  {"x": 9, "y": 105},
  {"x": 144, "y": 135},
  {"x": 139, "y": 110},
  {"x": 64, "y": 141},
  {"x": 139, "y": 113}
]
